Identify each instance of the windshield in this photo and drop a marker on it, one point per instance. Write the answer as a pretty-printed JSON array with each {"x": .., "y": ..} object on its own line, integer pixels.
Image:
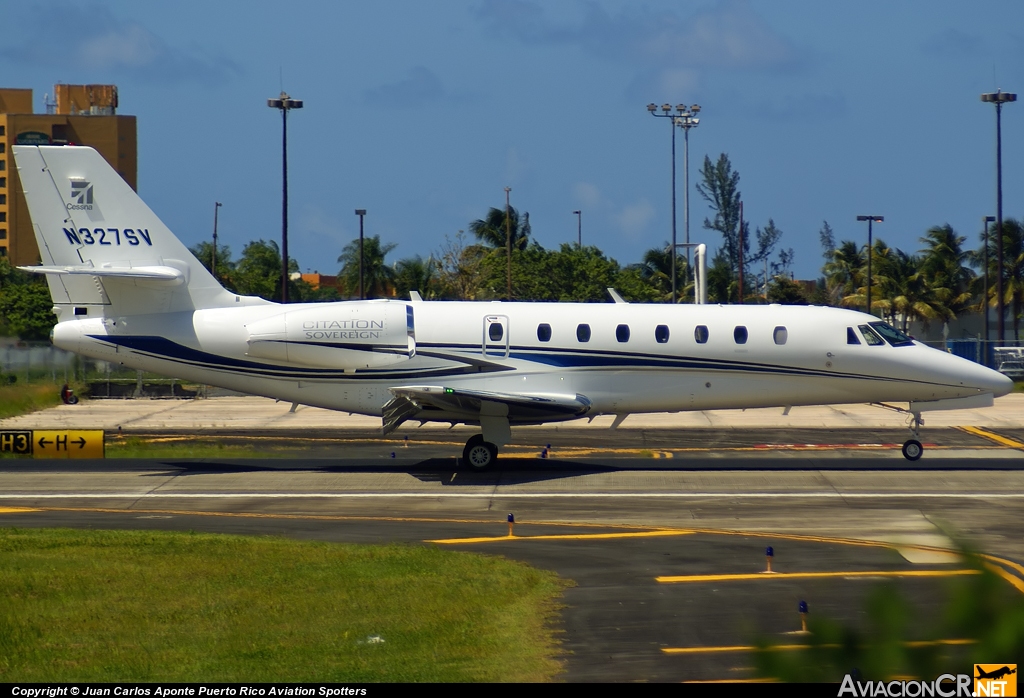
[{"x": 892, "y": 335}]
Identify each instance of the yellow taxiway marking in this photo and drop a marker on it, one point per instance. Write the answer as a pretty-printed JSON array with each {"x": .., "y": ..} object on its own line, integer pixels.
[
  {"x": 985, "y": 433},
  {"x": 564, "y": 536},
  {"x": 16, "y": 510},
  {"x": 811, "y": 575},
  {"x": 787, "y": 648}
]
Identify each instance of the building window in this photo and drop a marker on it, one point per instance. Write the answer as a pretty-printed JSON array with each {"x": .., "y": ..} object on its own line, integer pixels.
[
  {"x": 3, "y": 147},
  {"x": 622, "y": 333},
  {"x": 740, "y": 334},
  {"x": 781, "y": 334},
  {"x": 544, "y": 332},
  {"x": 700, "y": 334},
  {"x": 3, "y": 199},
  {"x": 3, "y": 165},
  {"x": 3, "y": 182},
  {"x": 3, "y": 251},
  {"x": 661, "y": 334},
  {"x": 851, "y": 336},
  {"x": 3, "y": 233},
  {"x": 3, "y": 216},
  {"x": 2, "y": 130},
  {"x": 583, "y": 333}
]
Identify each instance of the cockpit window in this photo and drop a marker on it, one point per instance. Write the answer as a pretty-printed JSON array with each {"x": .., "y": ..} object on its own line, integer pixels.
[
  {"x": 851, "y": 336},
  {"x": 892, "y": 335},
  {"x": 872, "y": 339}
]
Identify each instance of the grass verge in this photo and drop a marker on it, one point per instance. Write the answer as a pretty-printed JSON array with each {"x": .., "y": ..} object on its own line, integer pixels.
[
  {"x": 189, "y": 447},
  {"x": 164, "y": 606},
  {"x": 21, "y": 398}
]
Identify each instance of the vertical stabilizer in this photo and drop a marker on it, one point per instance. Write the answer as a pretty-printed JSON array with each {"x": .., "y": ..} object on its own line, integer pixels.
[{"x": 85, "y": 217}]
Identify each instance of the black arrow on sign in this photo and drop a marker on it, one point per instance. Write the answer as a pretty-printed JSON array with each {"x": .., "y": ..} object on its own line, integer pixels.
[
  {"x": 43, "y": 441},
  {"x": 80, "y": 442}
]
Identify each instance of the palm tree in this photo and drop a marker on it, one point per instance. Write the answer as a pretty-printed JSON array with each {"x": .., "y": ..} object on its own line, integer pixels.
[
  {"x": 415, "y": 274},
  {"x": 378, "y": 277},
  {"x": 945, "y": 266},
  {"x": 843, "y": 272},
  {"x": 656, "y": 269},
  {"x": 495, "y": 229}
]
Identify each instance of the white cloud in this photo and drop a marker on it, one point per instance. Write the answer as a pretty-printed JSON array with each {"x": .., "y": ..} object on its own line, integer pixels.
[
  {"x": 586, "y": 194},
  {"x": 635, "y": 217}
]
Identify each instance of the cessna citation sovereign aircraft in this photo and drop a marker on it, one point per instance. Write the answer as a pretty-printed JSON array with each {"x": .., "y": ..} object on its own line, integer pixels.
[{"x": 126, "y": 290}]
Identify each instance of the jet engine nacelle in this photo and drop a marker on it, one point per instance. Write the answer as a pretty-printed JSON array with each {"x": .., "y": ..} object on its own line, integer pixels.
[{"x": 348, "y": 335}]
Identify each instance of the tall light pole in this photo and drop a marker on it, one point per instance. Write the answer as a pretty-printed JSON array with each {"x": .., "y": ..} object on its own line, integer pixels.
[
  {"x": 666, "y": 112},
  {"x": 687, "y": 120},
  {"x": 999, "y": 98},
  {"x": 508, "y": 240},
  {"x": 213, "y": 257},
  {"x": 284, "y": 103},
  {"x": 579, "y": 228},
  {"x": 361, "y": 212},
  {"x": 986, "y": 220},
  {"x": 870, "y": 220}
]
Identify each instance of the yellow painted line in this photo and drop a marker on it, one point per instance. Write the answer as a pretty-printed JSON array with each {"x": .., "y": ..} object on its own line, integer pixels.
[
  {"x": 811, "y": 575},
  {"x": 985, "y": 433},
  {"x": 16, "y": 510},
  {"x": 789, "y": 648},
  {"x": 565, "y": 536},
  {"x": 1015, "y": 581}
]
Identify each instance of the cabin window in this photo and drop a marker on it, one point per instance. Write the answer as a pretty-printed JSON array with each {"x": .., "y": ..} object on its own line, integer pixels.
[
  {"x": 870, "y": 337},
  {"x": 700, "y": 334},
  {"x": 851, "y": 336},
  {"x": 780, "y": 335},
  {"x": 740, "y": 335},
  {"x": 892, "y": 335},
  {"x": 495, "y": 331},
  {"x": 622, "y": 333},
  {"x": 583, "y": 333},
  {"x": 661, "y": 334},
  {"x": 544, "y": 332}
]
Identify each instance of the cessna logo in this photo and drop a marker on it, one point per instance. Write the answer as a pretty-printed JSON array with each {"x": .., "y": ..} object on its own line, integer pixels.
[{"x": 81, "y": 196}]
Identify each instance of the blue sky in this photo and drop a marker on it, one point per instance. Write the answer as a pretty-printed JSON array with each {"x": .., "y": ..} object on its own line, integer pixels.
[{"x": 422, "y": 113}]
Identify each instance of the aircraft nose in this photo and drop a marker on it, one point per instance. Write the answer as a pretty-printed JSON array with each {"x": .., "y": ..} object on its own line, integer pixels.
[{"x": 1000, "y": 384}]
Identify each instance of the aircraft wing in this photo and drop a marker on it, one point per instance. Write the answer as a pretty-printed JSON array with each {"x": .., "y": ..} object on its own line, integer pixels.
[{"x": 460, "y": 403}]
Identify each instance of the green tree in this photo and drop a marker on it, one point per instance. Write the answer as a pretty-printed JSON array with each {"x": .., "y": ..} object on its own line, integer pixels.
[
  {"x": 224, "y": 272},
  {"x": 494, "y": 229},
  {"x": 378, "y": 277},
  {"x": 785, "y": 291},
  {"x": 258, "y": 272},
  {"x": 944, "y": 265},
  {"x": 416, "y": 274},
  {"x": 656, "y": 270},
  {"x": 1012, "y": 240},
  {"x": 460, "y": 268},
  {"x": 25, "y": 304},
  {"x": 844, "y": 272}
]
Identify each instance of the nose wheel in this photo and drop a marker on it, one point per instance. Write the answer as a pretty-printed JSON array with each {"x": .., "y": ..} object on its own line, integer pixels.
[
  {"x": 479, "y": 455},
  {"x": 912, "y": 448}
]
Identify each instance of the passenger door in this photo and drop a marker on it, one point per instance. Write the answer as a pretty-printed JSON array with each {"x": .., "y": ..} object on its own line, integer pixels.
[{"x": 495, "y": 340}]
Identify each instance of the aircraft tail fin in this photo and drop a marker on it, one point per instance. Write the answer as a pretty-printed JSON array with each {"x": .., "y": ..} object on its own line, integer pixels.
[{"x": 101, "y": 245}]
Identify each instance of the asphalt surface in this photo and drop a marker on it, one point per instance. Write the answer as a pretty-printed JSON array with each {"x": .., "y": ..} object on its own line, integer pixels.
[{"x": 608, "y": 517}]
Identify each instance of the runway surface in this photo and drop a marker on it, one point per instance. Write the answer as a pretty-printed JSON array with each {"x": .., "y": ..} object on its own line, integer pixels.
[{"x": 653, "y": 545}]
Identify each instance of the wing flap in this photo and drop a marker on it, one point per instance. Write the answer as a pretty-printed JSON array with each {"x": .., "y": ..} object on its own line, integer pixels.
[{"x": 470, "y": 405}]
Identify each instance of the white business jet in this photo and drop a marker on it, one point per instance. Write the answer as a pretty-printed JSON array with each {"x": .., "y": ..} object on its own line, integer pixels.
[{"x": 126, "y": 290}]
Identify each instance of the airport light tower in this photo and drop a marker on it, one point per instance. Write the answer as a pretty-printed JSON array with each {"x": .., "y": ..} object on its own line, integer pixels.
[
  {"x": 284, "y": 103},
  {"x": 687, "y": 120},
  {"x": 999, "y": 98},
  {"x": 870, "y": 220}
]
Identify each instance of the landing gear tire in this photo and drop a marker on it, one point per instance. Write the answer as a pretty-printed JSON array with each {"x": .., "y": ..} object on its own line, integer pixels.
[
  {"x": 479, "y": 455},
  {"x": 912, "y": 449}
]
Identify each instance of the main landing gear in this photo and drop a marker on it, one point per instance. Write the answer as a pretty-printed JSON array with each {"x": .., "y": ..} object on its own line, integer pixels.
[{"x": 479, "y": 454}]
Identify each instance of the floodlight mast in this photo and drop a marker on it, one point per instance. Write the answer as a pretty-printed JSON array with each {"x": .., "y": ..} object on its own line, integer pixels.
[
  {"x": 870, "y": 220},
  {"x": 999, "y": 98},
  {"x": 285, "y": 103}
]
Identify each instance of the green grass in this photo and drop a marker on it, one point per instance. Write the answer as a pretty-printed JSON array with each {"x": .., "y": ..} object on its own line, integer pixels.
[
  {"x": 22, "y": 398},
  {"x": 192, "y": 447},
  {"x": 163, "y": 606}
]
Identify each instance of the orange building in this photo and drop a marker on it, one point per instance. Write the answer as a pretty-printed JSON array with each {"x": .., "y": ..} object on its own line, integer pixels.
[{"x": 79, "y": 115}]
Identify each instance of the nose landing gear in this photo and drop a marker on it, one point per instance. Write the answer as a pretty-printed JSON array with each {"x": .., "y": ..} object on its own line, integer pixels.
[{"x": 912, "y": 448}]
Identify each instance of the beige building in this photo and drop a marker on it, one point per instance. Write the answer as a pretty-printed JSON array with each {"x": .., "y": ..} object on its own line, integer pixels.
[{"x": 79, "y": 115}]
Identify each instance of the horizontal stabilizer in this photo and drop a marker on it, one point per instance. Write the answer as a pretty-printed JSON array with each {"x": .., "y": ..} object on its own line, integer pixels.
[{"x": 156, "y": 274}]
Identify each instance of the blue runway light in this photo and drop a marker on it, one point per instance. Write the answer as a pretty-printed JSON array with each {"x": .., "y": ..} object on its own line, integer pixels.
[
  {"x": 769, "y": 551},
  {"x": 803, "y": 607}
]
